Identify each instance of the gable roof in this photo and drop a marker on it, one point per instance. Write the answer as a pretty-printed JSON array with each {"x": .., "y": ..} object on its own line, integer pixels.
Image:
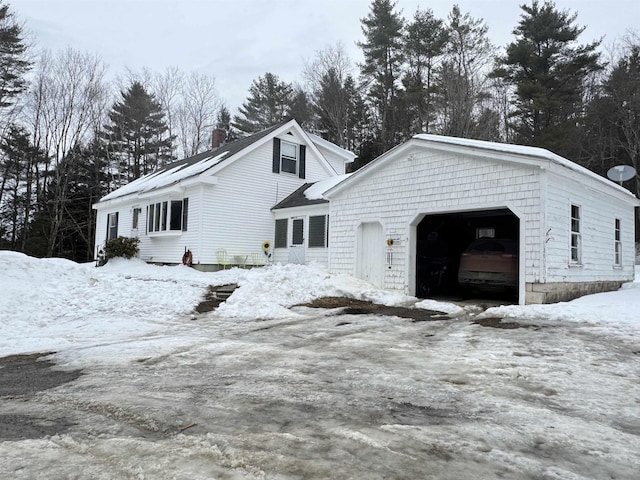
[
  {"x": 348, "y": 155},
  {"x": 524, "y": 155},
  {"x": 179, "y": 170}
]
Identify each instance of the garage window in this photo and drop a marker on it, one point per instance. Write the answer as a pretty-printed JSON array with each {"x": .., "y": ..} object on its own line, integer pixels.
[
  {"x": 576, "y": 238},
  {"x": 617, "y": 244}
]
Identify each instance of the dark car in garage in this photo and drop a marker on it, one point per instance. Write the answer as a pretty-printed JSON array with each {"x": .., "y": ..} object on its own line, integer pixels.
[{"x": 489, "y": 265}]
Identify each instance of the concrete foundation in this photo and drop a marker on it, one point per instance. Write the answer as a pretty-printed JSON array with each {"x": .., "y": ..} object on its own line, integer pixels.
[{"x": 563, "y": 292}]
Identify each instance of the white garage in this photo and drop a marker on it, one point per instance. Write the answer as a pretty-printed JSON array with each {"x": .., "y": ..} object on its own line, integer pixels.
[{"x": 404, "y": 221}]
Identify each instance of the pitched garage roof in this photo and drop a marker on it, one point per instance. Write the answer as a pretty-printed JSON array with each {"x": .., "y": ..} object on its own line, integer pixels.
[{"x": 509, "y": 152}]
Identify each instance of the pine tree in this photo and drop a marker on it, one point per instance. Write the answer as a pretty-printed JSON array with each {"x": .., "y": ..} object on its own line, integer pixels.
[
  {"x": 19, "y": 159},
  {"x": 461, "y": 77},
  {"x": 223, "y": 121},
  {"x": 548, "y": 70},
  {"x": 381, "y": 70},
  {"x": 268, "y": 103},
  {"x": 424, "y": 44},
  {"x": 13, "y": 64},
  {"x": 137, "y": 141}
]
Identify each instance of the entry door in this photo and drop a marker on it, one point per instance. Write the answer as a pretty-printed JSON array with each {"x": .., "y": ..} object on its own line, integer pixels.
[
  {"x": 296, "y": 249},
  {"x": 370, "y": 258}
]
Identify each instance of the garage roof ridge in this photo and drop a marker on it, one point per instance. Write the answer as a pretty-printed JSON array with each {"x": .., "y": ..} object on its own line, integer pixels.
[{"x": 520, "y": 150}]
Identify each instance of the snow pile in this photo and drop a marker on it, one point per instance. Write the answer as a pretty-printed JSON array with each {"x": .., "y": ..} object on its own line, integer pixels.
[
  {"x": 450, "y": 309},
  {"x": 269, "y": 292},
  {"x": 55, "y": 304},
  {"x": 50, "y": 304},
  {"x": 618, "y": 309}
]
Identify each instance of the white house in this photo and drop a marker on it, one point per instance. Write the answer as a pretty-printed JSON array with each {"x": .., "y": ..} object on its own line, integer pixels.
[
  {"x": 217, "y": 204},
  {"x": 402, "y": 221}
]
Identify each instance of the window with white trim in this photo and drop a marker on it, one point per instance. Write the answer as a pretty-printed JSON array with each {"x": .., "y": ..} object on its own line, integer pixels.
[
  {"x": 319, "y": 231},
  {"x": 168, "y": 216},
  {"x": 576, "y": 237},
  {"x": 617, "y": 244},
  {"x": 112, "y": 226},
  {"x": 288, "y": 157},
  {"x": 135, "y": 218}
]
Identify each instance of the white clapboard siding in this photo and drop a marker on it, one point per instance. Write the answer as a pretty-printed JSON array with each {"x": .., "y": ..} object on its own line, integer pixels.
[{"x": 232, "y": 211}]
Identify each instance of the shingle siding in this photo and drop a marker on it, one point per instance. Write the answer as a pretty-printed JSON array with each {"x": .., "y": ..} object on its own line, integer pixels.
[
  {"x": 598, "y": 212},
  {"x": 422, "y": 180},
  {"x": 428, "y": 182}
]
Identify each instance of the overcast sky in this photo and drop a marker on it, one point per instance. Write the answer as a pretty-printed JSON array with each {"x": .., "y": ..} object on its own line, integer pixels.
[{"x": 236, "y": 41}]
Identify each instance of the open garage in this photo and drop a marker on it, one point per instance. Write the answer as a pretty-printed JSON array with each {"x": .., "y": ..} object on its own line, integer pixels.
[
  {"x": 442, "y": 207},
  {"x": 441, "y": 239}
]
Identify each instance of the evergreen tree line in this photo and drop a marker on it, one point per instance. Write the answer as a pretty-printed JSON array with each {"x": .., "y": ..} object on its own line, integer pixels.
[{"x": 68, "y": 137}]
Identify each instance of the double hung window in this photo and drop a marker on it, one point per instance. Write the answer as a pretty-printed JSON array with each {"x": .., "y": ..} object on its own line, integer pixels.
[
  {"x": 576, "y": 236},
  {"x": 617, "y": 244},
  {"x": 289, "y": 157},
  {"x": 112, "y": 226}
]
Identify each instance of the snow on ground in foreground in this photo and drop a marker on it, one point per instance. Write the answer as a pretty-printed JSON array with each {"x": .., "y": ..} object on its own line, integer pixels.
[
  {"x": 617, "y": 311},
  {"x": 258, "y": 391},
  {"x": 52, "y": 304}
]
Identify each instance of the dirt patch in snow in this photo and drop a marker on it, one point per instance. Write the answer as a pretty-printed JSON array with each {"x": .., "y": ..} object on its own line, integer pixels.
[
  {"x": 352, "y": 306},
  {"x": 23, "y": 376},
  {"x": 27, "y": 374}
]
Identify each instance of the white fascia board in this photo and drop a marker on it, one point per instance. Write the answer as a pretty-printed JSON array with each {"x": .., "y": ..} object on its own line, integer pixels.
[{"x": 348, "y": 155}]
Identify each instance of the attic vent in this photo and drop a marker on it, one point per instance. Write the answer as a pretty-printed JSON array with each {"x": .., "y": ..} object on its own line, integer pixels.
[{"x": 289, "y": 133}]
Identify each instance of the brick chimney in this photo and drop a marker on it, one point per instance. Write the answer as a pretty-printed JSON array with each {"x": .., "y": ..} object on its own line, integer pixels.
[{"x": 218, "y": 137}]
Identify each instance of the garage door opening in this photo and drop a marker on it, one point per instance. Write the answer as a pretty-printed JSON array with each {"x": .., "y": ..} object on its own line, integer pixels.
[{"x": 490, "y": 241}]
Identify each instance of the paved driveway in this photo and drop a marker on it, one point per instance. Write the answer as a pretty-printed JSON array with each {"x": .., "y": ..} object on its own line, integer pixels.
[{"x": 329, "y": 395}]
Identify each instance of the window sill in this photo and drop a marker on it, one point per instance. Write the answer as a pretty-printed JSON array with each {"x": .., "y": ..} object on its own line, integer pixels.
[
  {"x": 168, "y": 233},
  {"x": 575, "y": 265}
]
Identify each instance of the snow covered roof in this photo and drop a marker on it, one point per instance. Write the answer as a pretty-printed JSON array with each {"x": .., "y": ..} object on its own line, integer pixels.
[
  {"x": 516, "y": 153},
  {"x": 180, "y": 170},
  {"x": 310, "y": 193},
  {"x": 520, "y": 150}
]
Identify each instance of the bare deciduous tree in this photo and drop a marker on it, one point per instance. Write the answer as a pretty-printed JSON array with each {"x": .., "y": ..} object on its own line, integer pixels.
[
  {"x": 66, "y": 104},
  {"x": 197, "y": 113}
]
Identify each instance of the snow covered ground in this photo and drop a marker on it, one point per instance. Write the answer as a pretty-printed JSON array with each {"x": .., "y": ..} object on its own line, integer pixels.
[{"x": 261, "y": 390}]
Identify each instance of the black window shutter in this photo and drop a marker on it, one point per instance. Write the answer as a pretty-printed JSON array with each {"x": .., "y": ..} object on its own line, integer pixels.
[
  {"x": 117, "y": 221},
  {"x": 276, "y": 155},
  {"x": 303, "y": 155}
]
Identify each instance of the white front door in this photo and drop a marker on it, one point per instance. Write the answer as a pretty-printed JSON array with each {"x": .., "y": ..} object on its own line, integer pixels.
[
  {"x": 296, "y": 247},
  {"x": 370, "y": 255}
]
